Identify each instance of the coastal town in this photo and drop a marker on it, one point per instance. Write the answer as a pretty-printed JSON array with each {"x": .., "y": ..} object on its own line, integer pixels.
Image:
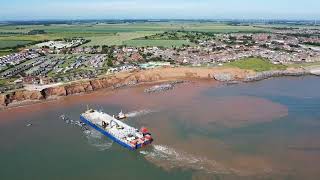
[
  {"x": 160, "y": 90},
  {"x": 69, "y": 60}
]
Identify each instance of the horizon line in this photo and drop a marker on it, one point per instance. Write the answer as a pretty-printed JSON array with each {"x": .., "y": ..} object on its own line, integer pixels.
[{"x": 162, "y": 19}]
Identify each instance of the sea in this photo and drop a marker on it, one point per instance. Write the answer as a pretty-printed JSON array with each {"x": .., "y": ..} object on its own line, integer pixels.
[{"x": 202, "y": 130}]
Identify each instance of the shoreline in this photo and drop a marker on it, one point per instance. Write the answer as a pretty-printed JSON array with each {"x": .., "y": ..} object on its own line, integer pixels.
[
  {"x": 57, "y": 98},
  {"x": 21, "y": 98}
]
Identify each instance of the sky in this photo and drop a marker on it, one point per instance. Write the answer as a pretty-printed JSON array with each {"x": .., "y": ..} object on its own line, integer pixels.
[{"x": 158, "y": 9}]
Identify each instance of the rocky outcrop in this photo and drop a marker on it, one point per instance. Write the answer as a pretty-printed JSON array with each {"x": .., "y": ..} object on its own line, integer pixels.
[
  {"x": 314, "y": 70},
  {"x": 163, "y": 87},
  {"x": 224, "y": 77},
  {"x": 105, "y": 82},
  {"x": 143, "y": 78},
  {"x": 78, "y": 88},
  {"x": 96, "y": 84},
  {"x": 3, "y": 98},
  {"x": 54, "y": 92},
  {"x": 270, "y": 74},
  {"x": 24, "y": 95},
  {"x": 155, "y": 77},
  {"x": 159, "y": 88}
]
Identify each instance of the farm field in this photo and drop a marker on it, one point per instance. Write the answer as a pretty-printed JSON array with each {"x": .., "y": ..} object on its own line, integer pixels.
[
  {"x": 160, "y": 43},
  {"x": 5, "y": 52},
  {"x": 288, "y": 26},
  {"x": 113, "y": 34},
  {"x": 134, "y": 27},
  {"x": 12, "y": 43},
  {"x": 117, "y": 38}
]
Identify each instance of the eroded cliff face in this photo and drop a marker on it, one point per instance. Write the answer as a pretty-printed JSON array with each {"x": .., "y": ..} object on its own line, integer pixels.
[
  {"x": 3, "y": 100},
  {"x": 123, "y": 80},
  {"x": 23, "y": 95},
  {"x": 117, "y": 81},
  {"x": 78, "y": 88},
  {"x": 140, "y": 78},
  {"x": 96, "y": 84},
  {"x": 54, "y": 92}
]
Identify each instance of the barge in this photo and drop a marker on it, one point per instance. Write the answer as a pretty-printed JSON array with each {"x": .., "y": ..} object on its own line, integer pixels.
[{"x": 118, "y": 131}]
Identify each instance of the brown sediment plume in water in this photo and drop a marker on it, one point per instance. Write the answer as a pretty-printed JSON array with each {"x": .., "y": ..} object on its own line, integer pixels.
[
  {"x": 206, "y": 156},
  {"x": 233, "y": 111},
  {"x": 124, "y": 79},
  {"x": 135, "y": 98},
  {"x": 128, "y": 98},
  {"x": 200, "y": 152},
  {"x": 188, "y": 106}
]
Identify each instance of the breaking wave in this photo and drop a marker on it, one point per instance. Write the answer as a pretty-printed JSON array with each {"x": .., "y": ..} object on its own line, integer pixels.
[
  {"x": 139, "y": 113},
  {"x": 97, "y": 140},
  {"x": 94, "y": 138},
  {"x": 69, "y": 121},
  {"x": 172, "y": 158}
]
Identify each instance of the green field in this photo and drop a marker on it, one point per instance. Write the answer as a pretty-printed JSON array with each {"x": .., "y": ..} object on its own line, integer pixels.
[
  {"x": 160, "y": 43},
  {"x": 5, "y": 82},
  {"x": 256, "y": 64},
  {"x": 5, "y": 52},
  {"x": 12, "y": 43},
  {"x": 113, "y": 34},
  {"x": 117, "y": 38},
  {"x": 130, "y": 27},
  {"x": 306, "y": 65}
]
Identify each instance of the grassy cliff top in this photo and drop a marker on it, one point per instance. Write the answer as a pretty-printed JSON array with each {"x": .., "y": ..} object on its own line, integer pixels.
[{"x": 256, "y": 64}]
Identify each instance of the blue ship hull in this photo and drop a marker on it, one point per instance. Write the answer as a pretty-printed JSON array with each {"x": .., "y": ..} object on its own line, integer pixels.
[{"x": 102, "y": 131}]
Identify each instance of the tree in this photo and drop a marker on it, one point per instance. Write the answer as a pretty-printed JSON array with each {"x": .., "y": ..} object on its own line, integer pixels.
[{"x": 110, "y": 63}]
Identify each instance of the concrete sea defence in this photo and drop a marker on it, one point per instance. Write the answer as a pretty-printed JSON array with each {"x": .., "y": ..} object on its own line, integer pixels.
[
  {"x": 269, "y": 74},
  {"x": 223, "y": 77},
  {"x": 163, "y": 87}
]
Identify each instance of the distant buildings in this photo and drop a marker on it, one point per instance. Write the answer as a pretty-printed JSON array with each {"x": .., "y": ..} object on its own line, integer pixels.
[
  {"x": 58, "y": 45},
  {"x": 66, "y": 60}
]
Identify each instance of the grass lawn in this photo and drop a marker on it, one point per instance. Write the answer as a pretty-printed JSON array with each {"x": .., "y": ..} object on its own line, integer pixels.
[
  {"x": 4, "y": 82},
  {"x": 305, "y": 64},
  {"x": 6, "y": 52},
  {"x": 68, "y": 62},
  {"x": 117, "y": 38},
  {"x": 256, "y": 64},
  {"x": 159, "y": 43},
  {"x": 12, "y": 43}
]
